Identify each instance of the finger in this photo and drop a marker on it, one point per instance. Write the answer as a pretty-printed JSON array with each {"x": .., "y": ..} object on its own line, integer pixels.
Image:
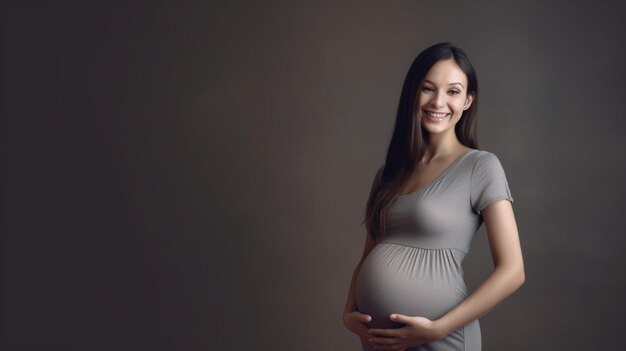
[
  {"x": 383, "y": 341},
  {"x": 400, "y": 318},
  {"x": 366, "y": 318},
  {"x": 384, "y": 332}
]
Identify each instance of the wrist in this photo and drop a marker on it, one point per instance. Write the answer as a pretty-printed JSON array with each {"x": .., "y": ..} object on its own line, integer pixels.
[{"x": 440, "y": 328}]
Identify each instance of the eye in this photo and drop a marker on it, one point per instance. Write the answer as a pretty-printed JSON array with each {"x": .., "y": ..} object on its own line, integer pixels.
[
  {"x": 453, "y": 92},
  {"x": 427, "y": 89}
]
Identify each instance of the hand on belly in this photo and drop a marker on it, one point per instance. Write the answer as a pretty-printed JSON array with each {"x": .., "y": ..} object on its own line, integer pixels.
[{"x": 416, "y": 331}]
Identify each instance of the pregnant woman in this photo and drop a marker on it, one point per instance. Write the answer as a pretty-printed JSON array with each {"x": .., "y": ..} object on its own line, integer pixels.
[{"x": 426, "y": 202}]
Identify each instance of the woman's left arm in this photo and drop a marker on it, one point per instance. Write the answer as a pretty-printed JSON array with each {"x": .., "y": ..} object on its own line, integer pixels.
[
  {"x": 507, "y": 276},
  {"x": 508, "y": 273}
]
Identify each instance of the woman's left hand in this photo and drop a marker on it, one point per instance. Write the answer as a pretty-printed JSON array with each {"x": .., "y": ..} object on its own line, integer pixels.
[{"x": 417, "y": 331}]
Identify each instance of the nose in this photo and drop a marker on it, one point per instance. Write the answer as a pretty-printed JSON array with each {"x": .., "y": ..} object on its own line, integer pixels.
[{"x": 439, "y": 100}]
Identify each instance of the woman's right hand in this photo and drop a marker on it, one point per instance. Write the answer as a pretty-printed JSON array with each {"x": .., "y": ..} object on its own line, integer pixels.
[{"x": 356, "y": 322}]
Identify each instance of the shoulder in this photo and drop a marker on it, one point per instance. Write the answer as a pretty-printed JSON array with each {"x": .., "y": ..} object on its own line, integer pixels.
[
  {"x": 485, "y": 165},
  {"x": 484, "y": 159},
  {"x": 488, "y": 181},
  {"x": 482, "y": 155}
]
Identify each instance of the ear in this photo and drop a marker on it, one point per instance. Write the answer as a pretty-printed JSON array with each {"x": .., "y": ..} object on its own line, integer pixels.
[{"x": 468, "y": 101}]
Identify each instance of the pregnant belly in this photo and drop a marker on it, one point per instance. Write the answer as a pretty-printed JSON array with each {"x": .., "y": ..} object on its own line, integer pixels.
[{"x": 408, "y": 280}]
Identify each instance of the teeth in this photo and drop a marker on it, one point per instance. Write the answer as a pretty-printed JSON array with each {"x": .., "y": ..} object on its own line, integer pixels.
[{"x": 437, "y": 115}]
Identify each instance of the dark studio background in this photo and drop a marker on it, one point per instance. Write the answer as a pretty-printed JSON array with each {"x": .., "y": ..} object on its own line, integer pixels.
[{"x": 193, "y": 175}]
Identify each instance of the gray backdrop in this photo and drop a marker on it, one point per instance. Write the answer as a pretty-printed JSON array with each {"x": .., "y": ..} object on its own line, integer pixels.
[{"x": 192, "y": 176}]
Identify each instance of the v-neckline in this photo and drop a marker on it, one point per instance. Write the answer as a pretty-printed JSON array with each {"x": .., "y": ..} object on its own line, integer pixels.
[{"x": 457, "y": 160}]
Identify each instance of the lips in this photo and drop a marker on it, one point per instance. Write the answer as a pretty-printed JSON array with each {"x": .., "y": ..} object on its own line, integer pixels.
[{"x": 437, "y": 115}]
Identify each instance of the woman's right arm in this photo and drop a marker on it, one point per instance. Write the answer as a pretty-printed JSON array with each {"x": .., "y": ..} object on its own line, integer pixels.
[{"x": 352, "y": 318}]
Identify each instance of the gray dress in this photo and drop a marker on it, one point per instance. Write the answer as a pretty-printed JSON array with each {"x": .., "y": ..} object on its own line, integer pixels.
[{"x": 415, "y": 267}]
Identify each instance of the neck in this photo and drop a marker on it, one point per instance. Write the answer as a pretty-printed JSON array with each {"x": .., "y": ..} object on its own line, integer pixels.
[{"x": 441, "y": 145}]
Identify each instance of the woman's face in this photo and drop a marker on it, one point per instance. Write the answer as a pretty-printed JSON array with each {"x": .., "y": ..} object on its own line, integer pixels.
[{"x": 443, "y": 97}]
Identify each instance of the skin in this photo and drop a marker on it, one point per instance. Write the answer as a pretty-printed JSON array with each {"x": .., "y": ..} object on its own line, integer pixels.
[{"x": 444, "y": 90}]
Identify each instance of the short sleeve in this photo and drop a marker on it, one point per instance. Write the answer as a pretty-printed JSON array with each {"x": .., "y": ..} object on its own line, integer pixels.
[{"x": 488, "y": 183}]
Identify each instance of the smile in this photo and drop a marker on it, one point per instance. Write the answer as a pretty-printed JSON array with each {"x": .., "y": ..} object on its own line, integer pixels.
[{"x": 437, "y": 115}]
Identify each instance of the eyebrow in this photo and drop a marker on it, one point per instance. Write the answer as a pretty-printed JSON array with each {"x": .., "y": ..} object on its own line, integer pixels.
[{"x": 455, "y": 83}]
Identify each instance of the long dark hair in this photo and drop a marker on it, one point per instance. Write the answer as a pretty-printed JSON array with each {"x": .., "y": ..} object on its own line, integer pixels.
[{"x": 409, "y": 139}]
